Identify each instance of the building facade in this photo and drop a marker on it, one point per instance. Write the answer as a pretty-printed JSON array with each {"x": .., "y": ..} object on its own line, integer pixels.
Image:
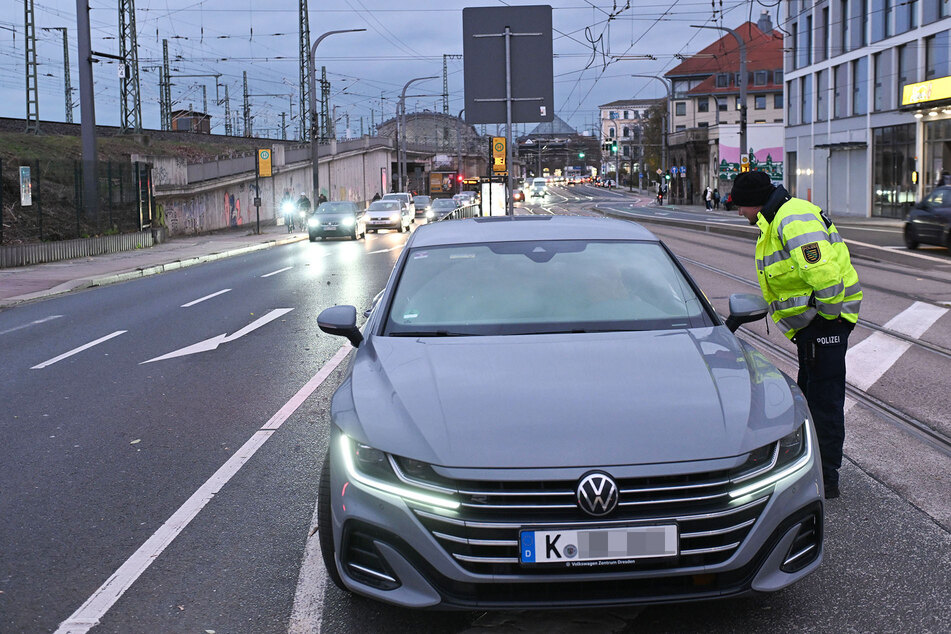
[
  {"x": 852, "y": 146},
  {"x": 704, "y": 111},
  {"x": 623, "y": 123}
]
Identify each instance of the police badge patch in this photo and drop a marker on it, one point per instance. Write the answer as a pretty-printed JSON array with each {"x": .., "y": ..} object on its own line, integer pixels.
[{"x": 811, "y": 253}]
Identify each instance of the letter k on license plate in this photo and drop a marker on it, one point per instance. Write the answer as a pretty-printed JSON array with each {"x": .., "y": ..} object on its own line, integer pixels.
[{"x": 598, "y": 545}]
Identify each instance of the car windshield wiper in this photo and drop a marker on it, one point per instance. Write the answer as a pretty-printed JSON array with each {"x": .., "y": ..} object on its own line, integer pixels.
[{"x": 429, "y": 333}]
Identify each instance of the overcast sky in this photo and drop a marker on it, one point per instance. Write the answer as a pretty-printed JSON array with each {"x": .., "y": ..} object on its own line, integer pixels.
[{"x": 404, "y": 39}]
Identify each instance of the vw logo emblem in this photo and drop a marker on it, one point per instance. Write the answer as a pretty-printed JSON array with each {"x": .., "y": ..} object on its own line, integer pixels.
[{"x": 597, "y": 494}]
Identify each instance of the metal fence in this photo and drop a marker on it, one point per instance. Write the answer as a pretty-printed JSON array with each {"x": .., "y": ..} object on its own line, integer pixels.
[{"x": 41, "y": 200}]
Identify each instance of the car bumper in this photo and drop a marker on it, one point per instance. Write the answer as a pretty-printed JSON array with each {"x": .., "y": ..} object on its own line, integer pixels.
[{"x": 387, "y": 548}]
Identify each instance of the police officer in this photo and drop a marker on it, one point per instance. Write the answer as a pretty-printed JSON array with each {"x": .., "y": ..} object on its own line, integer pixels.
[{"x": 814, "y": 294}]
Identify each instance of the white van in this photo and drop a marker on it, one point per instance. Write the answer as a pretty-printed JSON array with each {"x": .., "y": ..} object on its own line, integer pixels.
[{"x": 539, "y": 186}]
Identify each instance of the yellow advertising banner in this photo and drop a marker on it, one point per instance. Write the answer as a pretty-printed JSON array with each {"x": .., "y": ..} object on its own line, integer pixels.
[{"x": 925, "y": 91}]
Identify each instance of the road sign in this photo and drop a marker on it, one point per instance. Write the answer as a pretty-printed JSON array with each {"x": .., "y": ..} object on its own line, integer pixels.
[
  {"x": 498, "y": 154},
  {"x": 659, "y": 171},
  {"x": 744, "y": 162},
  {"x": 264, "y": 162}
]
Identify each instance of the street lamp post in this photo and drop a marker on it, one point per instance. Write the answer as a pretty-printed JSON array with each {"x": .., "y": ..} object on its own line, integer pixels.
[
  {"x": 459, "y": 149},
  {"x": 401, "y": 129},
  {"x": 314, "y": 146},
  {"x": 743, "y": 80}
]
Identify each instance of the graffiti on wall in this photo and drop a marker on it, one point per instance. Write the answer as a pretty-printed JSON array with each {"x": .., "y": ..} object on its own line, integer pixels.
[
  {"x": 186, "y": 216},
  {"x": 232, "y": 211}
]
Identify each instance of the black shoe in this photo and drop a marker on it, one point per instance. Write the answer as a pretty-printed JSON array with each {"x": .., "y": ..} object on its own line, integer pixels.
[{"x": 832, "y": 491}]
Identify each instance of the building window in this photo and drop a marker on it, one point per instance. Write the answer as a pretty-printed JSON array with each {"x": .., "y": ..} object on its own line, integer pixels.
[
  {"x": 794, "y": 39},
  {"x": 863, "y": 22},
  {"x": 822, "y": 100},
  {"x": 626, "y": 132},
  {"x": 844, "y": 25},
  {"x": 759, "y": 78},
  {"x": 626, "y": 151},
  {"x": 778, "y": 101},
  {"x": 808, "y": 47},
  {"x": 878, "y": 90},
  {"x": 839, "y": 91},
  {"x": 860, "y": 86},
  {"x": 936, "y": 55},
  {"x": 723, "y": 80},
  {"x": 612, "y": 115},
  {"x": 805, "y": 102},
  {"x": 681, "y": 127},
  {"x": 907, "y": 65},
  {"x": 680, "y": 108},
  {"x": 703, "y": 124},
  {"x": 824, "y": 50},
  {"x": 913, "y": 14},
  {"x": 626, "y": 117},
  {"x": 703, "y": 104},
  {"x": 759, "y": 102},
  {"x": 721, "y": 105}
]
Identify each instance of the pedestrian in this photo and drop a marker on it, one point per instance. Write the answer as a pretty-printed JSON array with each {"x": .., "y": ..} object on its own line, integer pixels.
[
  {"x": 377, "y": 196},
  {"x": 813, "y": 291},
  {"x": 708, "y": 198},
  {"x": 716, "y": 199},
  {"x": 321, "y": 199}
]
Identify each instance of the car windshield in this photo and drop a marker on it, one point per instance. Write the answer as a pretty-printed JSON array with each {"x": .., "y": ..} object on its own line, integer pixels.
[
  {"x": 444, "y": 203},
  {"x": 336, "y": 208},
  {"x": 394, "y": 196},
  {"x": 509, "y": 288},
  {"x": 380, "y": 205},
  {"x": 422, "y": 200}
]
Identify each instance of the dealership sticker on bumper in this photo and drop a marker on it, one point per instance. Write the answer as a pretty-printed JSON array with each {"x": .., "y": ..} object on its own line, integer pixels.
[{"x": 601, "y": 545}]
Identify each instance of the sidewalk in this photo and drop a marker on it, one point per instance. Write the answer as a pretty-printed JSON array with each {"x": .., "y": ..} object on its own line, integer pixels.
[{"x": 26, "y": 283}]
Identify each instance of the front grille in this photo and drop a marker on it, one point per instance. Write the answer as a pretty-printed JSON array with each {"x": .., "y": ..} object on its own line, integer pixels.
[{"x": 483, "y": 534}]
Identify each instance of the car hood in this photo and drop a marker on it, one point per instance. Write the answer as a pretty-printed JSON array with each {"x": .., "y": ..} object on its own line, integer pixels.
[
  {"x": 382, "y": 213},
  {"x": 335, "y": 217},
  {"x": 564, "y": 400}
]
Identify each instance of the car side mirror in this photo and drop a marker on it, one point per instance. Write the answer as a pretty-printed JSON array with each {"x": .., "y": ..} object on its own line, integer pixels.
[
  {"x": 341, "y": 321},
  {"x": 745, "y": 308}
]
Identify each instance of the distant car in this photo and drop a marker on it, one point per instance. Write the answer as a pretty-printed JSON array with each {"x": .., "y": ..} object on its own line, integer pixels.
[
  {"x": 442, "y": 207},
  {"x": 547, "y": 412},
  {"x": 929, "y": 222},
  {"x": 518, "y": 196},
  {"x": 423, "y": 206},
  {"x": 343, "y": 219},
  {"x": 406, "y": 199},
  {"x": 388, "y": 214}
]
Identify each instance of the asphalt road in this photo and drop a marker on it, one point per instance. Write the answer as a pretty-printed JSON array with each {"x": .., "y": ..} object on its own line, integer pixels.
[{"x": 140, "y": 462}]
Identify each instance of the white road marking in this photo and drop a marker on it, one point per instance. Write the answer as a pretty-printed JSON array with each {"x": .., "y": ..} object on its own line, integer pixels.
[
  {"x": 876, "y": 354},
  {"x": 201, "y": 299},
  {"x": 78, "y": 350},
  {"x": 32, "y": 323},
  {"x": 90, "y": 612},
  {"x": 286, "y": 268},
  {"x": 399, "y": 246},
  {"x": 214, "y": 342}
]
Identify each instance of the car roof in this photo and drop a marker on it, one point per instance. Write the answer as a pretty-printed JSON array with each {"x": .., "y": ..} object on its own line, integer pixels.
[{"x": 518, "y": 228}]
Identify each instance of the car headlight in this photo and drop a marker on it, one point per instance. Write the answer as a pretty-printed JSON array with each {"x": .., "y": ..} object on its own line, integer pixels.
[
  {"x": 347, "y": 222},
  {"x": 287, "y": 207},
  {"x": 373, "y": 469},
  {"x": 788, "y": 455},
  {"x": 394, "y": 217},
  {"x": 429, "y": 213},
  {"x": 313, "y": 222}
]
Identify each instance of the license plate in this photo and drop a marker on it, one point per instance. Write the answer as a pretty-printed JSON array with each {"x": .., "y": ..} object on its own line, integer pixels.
[
  {"x": 380, "y": 222},
  {"x": 603, "y": 545},
  {"x": 331, "y": 225}
]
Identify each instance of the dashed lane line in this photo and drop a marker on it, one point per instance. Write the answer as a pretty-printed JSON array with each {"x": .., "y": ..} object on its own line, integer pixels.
[
  {"x": 201, "y": 299},
  {"x": 86, "y": 346},
  {"x": 286, "y": 268}
]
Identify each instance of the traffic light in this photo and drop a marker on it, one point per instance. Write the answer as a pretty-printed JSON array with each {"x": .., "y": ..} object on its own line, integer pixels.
[
  {"x": 459, "y": 177},
  {"x": 614, "y": 148},
  {"x": 581, "y": 155}
]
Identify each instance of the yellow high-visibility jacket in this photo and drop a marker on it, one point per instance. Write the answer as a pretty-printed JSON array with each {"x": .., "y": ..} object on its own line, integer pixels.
[{"x": 803, "y": 265}]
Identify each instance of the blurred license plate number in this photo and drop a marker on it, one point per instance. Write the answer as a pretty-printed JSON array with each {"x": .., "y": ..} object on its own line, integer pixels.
[{"x": 601, "y": 544}]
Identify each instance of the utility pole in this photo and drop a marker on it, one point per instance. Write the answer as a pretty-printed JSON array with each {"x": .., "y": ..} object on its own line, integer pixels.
[
  {"x": 87, "y": 109},
  {"x": 744, "y": 148},
  {"x": 305, "y": 78},
  {"x": 324, "y": 106},
  {"x": 361, "y": 126},
  {"x": 283, "y": 126},
  {"x": 167, "y": 88},
  {"x": 204, "y": 99},
  {"x": 228, "y": 129},
  {"x": 401, "y": 130},
  {"x": 247, "y": 107},
  {"x": 445, "y": 81},
  {"x": 32, "y": 90},
  {"x": 130, "y": 100},
  {"x": 68, "y": 89}
]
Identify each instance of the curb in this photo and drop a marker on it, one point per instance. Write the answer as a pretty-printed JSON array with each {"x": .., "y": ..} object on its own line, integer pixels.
[{"x": 114, "y": 278}]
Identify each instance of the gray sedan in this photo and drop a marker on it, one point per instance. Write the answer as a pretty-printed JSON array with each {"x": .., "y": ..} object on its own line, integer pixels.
[
  {"x": 547, "y": 412},
  {"x": 343, "y": 219}
]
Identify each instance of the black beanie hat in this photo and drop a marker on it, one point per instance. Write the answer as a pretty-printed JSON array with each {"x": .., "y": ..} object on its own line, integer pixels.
[{"x": 751, "y": 189}]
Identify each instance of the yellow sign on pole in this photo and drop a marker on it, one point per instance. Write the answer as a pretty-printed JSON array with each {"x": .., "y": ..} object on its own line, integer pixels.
[
  {"x": 264, "y": 162},
  {"x": 744, "y": 162},
  {"x": 498, "y": 154}
]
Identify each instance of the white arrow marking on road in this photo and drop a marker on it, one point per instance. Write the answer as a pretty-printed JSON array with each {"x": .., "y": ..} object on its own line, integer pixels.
[
  {"x": 399, "y": 246},
  {"x": 78, "y": 350},
  {"x": 32, "y": 323},
  {"x": 201, "y": 299},
  {"x": 878, "y": 352},
  {"x": 214, "y": 342},
  {"x": 286, "y": 268}
]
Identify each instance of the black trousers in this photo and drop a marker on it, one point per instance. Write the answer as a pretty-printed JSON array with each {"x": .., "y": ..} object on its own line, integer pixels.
[{"x": 822, "y": 346}]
